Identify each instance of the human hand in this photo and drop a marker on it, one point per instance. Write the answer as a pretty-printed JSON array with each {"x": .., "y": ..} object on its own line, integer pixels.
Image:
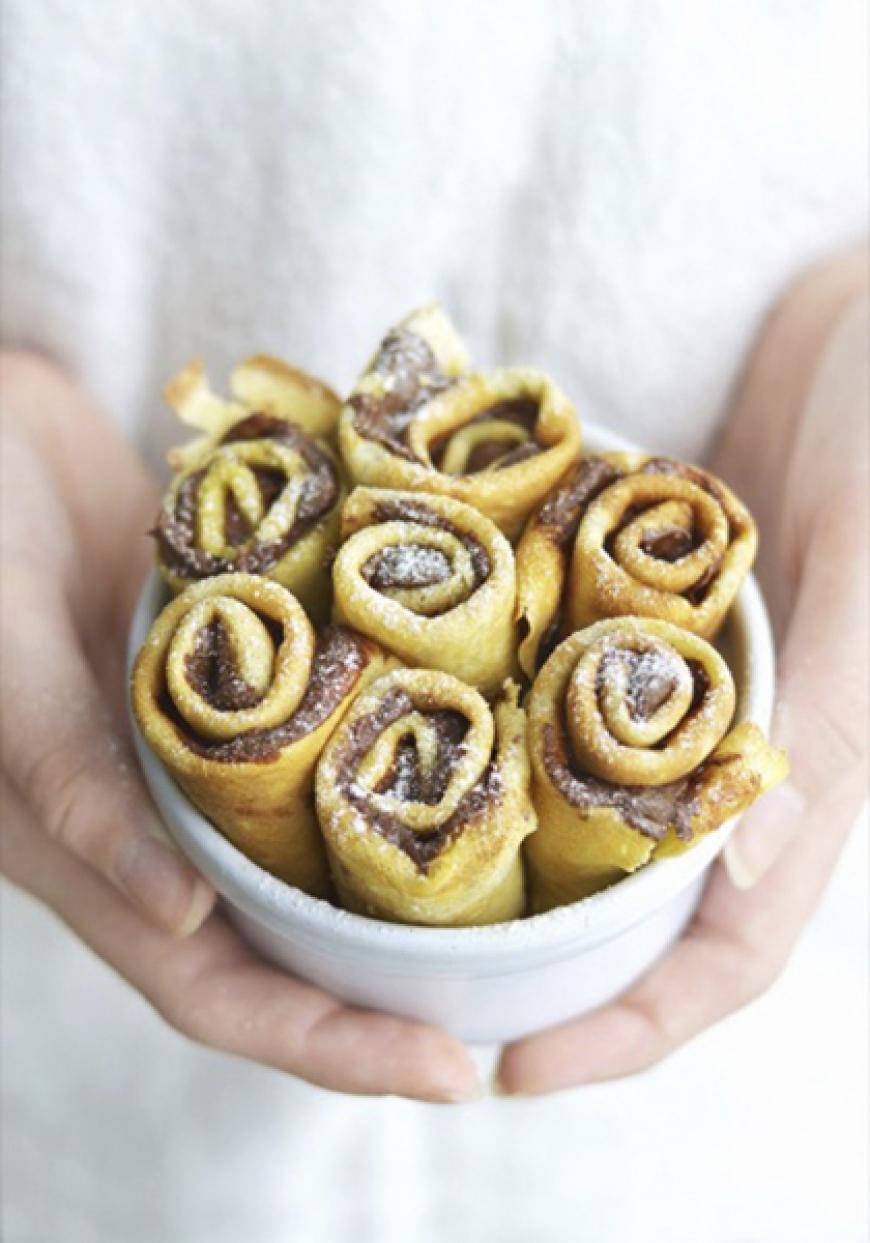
[
  {"x": 796, "y": 450},
  {"x": 79, "y": 831}
]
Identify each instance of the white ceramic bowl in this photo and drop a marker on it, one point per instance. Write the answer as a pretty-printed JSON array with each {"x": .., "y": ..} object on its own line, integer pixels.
[{"x": 486, "y": 984}]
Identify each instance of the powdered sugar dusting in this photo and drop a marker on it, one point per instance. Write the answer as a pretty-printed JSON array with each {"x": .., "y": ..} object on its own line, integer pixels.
[
  {"x": 653, "y": 675},
  {"x": 409, "y": 565}
]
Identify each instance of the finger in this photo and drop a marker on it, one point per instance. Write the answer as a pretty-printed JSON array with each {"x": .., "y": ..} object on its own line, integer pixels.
[
  {"x": 823, "y": 685},
  {"x": 66, "y": 759},
  {"x": 215, "y": 990},
  {"x": 733, "y": 951},
  {"x": 73, "y": 487},
  {"x": 692, "y": 987},
  {"x": 807, "y": 374}
]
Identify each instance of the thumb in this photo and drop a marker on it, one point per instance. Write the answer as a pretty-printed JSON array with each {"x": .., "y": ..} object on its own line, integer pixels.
[
  {"x": 765, "y": 831},
  {"x": 822, "y": 703},
  {"x": 78, "y": 775}
]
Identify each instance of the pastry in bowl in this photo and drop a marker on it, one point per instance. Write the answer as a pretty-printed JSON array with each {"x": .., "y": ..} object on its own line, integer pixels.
[
  {"x": 631, "y": 534},
  {"x": 236, "y": 694},
  {"x": 260, "y": 490},
  {"x": 419, "y": 419},
  {"x": 632, "y": 754},
  {"x": 423, "y": 799},
  {"x": 432, "y": 579}
]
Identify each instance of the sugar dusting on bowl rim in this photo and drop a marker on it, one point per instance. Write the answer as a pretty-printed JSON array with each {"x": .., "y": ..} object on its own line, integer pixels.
[{"x": 555, "y": 934}]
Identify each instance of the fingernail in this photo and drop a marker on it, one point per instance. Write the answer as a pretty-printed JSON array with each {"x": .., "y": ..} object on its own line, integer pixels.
[
  {"x": 497, "y": 1088},
  {"x": 163, "y": 886},
  {"x": 763, "y": 834},
  {"x": 473, "y": 1091},
  {"x": 464, "y": 1096},
  {"x": 201, "y": 902}
]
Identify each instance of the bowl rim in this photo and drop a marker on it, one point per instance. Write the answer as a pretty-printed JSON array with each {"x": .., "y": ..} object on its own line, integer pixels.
[{"x": 320, "y": 925}]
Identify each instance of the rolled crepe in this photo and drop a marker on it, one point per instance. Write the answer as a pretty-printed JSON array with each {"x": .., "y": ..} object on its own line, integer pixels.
[
  {"x": 417, "y": 419},
  {"x": 632, "y": 756},
  {"x": 260, "y": 491},
  {"x": 236, "y": 696},
  {"x": 430, "y": 578},
  {"x": 626, "y": 534},
  {"x": 423, "y": 799}
]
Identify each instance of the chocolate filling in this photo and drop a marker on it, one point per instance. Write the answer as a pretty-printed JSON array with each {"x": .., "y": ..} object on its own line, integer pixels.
[
  {"x": 649, "y": 809},
  {"x": 406, "y": 780},
  {"x": 521, "y": 411},
  {"x": 669, "y": 545},
  {"x": 406, "y": 565},
  {"x": 409, "y": 511},
  {"x": 559, "y": 518},
  {"x": 648, "y": 688},
  {"x": 549, "y": 639},
  {"x": 413, "y": 377},
  {"x": 651, "y": 686},
  {"x": 176, "y": 528},
  {"x": 674, "y": 544},
  {"x": 412, "y": 783},
  {"x": 211, "y": 671},
  {"x": 271, "y": 484},
  {"x": 339, "y": 660},
  {"x": 652, "y": 681},
  {"x": 562, "y": 513}
]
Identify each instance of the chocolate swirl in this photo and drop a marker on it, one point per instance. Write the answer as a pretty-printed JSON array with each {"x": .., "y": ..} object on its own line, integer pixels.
[
  {"x": 629, "y": 743},
  {"x": 258, "y": 491},
  {"x": 498, "y": 440},
  {"x": 630, "y": 535},
  {"x": 638, "y": 703},
  {"x": 252, "y": 505},
  {"x": 432, "y": 579},
  {"x": 409, "y": 376},
  {"x": 238, "y": 659},
  {"x": 237, "y": 696},
  {"x": 422, "y": 796}
]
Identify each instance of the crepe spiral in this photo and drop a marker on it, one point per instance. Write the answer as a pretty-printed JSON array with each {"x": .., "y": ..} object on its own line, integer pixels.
[
  {"x": 359, "y": 586},
  {"x": 258, "y": 493},
  {"x": 631, "y": 753},
  {"x": 629, "y": 534},
  {"x": 422, "y": 795},
  {"x": 644, "y": 707},
  {"x": 431, "y": 578},
  {"x": 418, "y": 419},
  {"x": 235, "y": 693}
]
